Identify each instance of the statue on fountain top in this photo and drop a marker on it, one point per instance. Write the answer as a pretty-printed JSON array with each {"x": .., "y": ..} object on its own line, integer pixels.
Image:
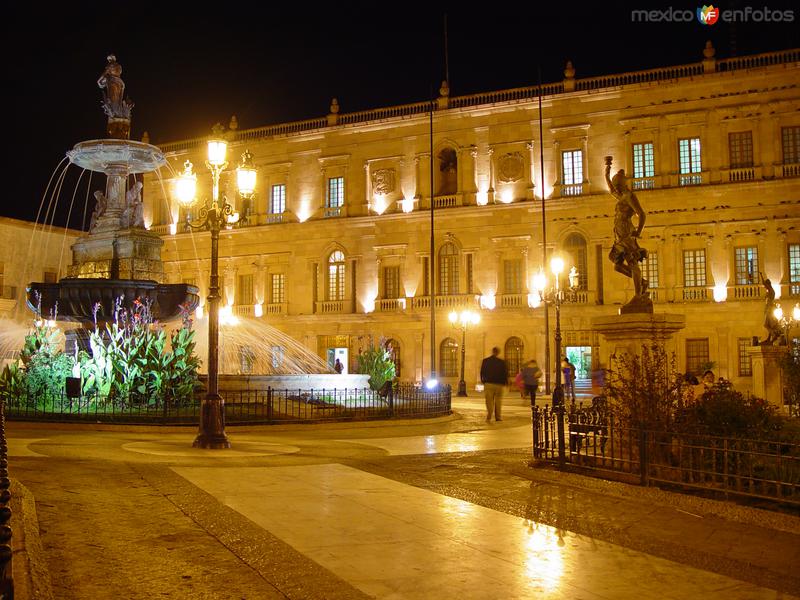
[
  {"x": 626, "y": 254},
  {"x": 115, "y": 105}
]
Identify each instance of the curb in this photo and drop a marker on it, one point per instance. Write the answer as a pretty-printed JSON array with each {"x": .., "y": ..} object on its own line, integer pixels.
[{"x": 31, "y": 574}]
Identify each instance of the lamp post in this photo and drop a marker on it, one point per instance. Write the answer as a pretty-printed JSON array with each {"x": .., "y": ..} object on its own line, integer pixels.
[
  {"x": 463, "y": 320},
  {"x": 556, "y": 295},
  {"x": 211, "y": 433},
  {"x": 786, "y": 321}
]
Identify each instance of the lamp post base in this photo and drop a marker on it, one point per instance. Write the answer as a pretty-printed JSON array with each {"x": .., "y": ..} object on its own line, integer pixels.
[
  {"x": 212, "y": 424},
  {"x": 462, "y": 389}
]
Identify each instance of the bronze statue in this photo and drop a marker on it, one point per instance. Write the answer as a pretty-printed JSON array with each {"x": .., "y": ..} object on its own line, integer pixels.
[
  {"x": 771, "y": 324},
  {"x": 115, "y": 105},
  {"x": 626, "y": 254}
]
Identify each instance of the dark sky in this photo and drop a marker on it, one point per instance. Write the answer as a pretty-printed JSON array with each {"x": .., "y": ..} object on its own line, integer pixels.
[{"x": 187, "y": 66}]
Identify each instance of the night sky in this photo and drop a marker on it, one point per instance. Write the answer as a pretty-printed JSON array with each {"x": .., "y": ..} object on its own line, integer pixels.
[{"x": 187, "y": 66}]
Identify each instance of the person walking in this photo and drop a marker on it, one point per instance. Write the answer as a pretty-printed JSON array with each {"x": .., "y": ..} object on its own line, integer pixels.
[
  {"x": 531, "y": 374},
  {"x": 568, "y": 370},
  {"x": 338, "y": 366},
  {"x": 493, "y": 377}
]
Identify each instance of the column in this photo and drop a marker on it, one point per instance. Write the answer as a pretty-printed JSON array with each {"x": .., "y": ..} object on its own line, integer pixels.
[
  {"x": 557, "y": 169},
  {"x": 490, "y": 152},
  {"x": 417, "y": 190},
  {"x": 473, "y": 152},
  {"x": 368, "y": 185},
  {"x": 531, "y": 171},
  {"x": 419, "y": 356},
  {"x": 586, "y": 183}
]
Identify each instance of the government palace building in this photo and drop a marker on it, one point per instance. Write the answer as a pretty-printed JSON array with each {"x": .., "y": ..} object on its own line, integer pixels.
[{"x": 335, "y": 248}]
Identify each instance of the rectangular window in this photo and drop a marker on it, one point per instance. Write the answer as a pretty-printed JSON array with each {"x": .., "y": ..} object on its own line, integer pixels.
[
  {"x": 50, "y": 277},
  {"x": 790, "y": 140},
  {"x": 745, "y": 366},
  {"x": 740, "y": 146},
  {"x": 512, "y": 276},
  {"x": 746, "y": 264},
  {"x": 335, "y": 195},
  {"x": 426, "y": 276},
  {"x": 643, "y": 165},
  {"x": 469, "y": 273},
  {"x": 572, "y": 167},
  {"x": 794, "y": 268},
  {"x": 391, "y": 282},
  {"x": 694, "y": 268},
  {"x": 244, "y": 290},
  {"x": 689, "y": 161},
  {"x": 277, "y": 287},
  {"x": 277, "y": 200},
  {"x": 650, "y": 269},
  {"x": 696, "y": 355}
]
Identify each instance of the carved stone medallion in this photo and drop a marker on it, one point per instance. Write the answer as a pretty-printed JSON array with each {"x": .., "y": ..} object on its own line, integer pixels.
[
  {"x": 383, "y": 181},
  {"x": 510, "y": 167}
]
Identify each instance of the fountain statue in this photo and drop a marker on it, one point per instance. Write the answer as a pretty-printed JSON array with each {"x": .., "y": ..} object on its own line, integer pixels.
[
  {"x": 626, "y": 254},
  {"x": 118, "y": 257}
]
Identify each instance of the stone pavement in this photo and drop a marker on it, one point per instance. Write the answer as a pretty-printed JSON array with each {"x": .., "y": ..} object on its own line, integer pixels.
[{"x": 415, "y": 509}]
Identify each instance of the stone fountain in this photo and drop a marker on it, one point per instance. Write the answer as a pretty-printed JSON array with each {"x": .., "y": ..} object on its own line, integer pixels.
[{"x": 118, "y": 258}]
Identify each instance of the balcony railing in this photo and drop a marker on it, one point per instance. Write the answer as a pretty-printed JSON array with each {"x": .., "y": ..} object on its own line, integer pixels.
[
  {"x": 644, "y": 183},
  {"x": 575, "y": 189},
  {"x": 746, "y": 292},
  {"x": 390, "y": 304},
  {"x": 243, "y": 310},
  {"x": 742, "y": 174},
  {"x": 333, "y": 211},
  {"x": 276, "y": 308},
  {"x": 450, "y": 201},
  {"x": 695, "y": 294},
  {"x": 690, "y": 179},
  {"x": 451, "y": 302},
  {"x": 331, "y": 307},
  {"x": 511, "y": 300},
  {"x": 791, "y": 170},
  {"x": 8, "y": 292},
  {"x": 275, "y": 218}
]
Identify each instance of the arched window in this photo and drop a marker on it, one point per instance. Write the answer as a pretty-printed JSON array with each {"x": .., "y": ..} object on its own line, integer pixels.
[
  {"x": 575, "y": 249},
  {"x": 513, "y": 354},
  {"x": 448, "y": 172},
  {"x": 448, "y": 358},
  {"x": 336, "y": 272},
  {"x": 448, "y": 269},
  {"x": 393, "y": 346}
]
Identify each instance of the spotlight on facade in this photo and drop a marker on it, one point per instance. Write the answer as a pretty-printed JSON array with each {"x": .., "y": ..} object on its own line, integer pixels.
[{"x": 720, "y": 292}]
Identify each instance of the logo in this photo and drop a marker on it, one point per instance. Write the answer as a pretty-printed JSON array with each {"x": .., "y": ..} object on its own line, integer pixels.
[{"x": 708, "y": 15}]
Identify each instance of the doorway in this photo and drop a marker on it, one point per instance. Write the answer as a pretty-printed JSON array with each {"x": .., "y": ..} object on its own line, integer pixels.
[
  {"x": 581, "y": 357},
  {"x": 341, "y": 354}
]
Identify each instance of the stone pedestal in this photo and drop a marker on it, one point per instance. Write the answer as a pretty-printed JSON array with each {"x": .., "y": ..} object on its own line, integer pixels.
[
  {"x": 767, "y": 373},
  {"x": 627, "y": 333},
  {"x": 128, "y": 254}
]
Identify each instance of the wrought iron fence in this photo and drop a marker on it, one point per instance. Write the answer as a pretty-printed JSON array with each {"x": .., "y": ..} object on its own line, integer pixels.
[
  {"x": 6, "y": 571},
  {"x": 592, "y": 440},
  {"x": 241, "y": 406}
]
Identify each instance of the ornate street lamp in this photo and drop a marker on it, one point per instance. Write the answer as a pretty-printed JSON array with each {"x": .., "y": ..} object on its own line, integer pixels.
[
  {"x": 463, "y": 320},
  {"x": 786, "y": 321},
  {"x": 220, "y": 214},
  {"x": 246, "y": 182}
]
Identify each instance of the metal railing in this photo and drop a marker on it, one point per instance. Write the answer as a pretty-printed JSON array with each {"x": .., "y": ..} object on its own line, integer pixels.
[
  {"x": 251, "y": 406},
  {"x": 593, "y": 440},
  {"x": 6, "y": 570}
]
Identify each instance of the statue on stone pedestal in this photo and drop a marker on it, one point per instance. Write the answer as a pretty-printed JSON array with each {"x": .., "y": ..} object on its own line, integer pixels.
[
  {"x": 133, "y": 215},
  {"x": 101, "y": 202},
  {"x": 771, "y": 324},
  {"x": 115, "y": 105},
  {"x": 626, "y": 254}
]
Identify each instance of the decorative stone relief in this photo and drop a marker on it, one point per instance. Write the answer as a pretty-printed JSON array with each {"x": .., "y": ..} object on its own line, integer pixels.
[
  {"x": 383, "y": 181},
  {"x": 510, "y": 167}
]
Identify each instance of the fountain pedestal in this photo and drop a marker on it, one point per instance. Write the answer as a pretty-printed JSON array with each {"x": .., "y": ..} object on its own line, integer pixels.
[
  {"x": 126, "y": 254},
  {"x": 768, "y": 380}
]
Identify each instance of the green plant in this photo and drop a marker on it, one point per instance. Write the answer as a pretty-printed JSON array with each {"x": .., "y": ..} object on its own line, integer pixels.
[
  {"x": 790, "y": 365},
  {"x": 376, "y": 361}
]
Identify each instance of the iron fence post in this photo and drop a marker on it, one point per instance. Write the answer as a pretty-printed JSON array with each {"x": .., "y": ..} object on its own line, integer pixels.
[
  {"x": 535, "y": 426},
  {"x": 562, "y": 457},
  {"x": 269, "y": 404}
]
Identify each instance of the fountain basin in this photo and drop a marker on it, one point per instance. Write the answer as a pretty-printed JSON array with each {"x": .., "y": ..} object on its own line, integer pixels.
[
  {"x": 75, "y": 299},
  {"x": 111, "y": 155}
]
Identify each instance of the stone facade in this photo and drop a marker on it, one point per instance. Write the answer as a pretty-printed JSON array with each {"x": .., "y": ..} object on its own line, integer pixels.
[{"x": 712, "y": 148}]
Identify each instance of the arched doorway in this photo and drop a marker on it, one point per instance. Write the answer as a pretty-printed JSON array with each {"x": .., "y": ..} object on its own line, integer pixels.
[
  {"x": 448, "y": 358},
  {"x": 514, "y": 352}
]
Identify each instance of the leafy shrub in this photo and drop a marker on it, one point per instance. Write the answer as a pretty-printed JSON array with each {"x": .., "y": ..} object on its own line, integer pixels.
[{"x": 376, "y": 361}]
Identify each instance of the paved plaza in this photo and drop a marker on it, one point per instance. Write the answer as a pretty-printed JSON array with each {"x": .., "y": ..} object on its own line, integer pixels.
[{"x": 447, "y": 508}]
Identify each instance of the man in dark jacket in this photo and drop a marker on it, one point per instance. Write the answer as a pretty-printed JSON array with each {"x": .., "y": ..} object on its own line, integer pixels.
[{"x": 493, "y": 377}]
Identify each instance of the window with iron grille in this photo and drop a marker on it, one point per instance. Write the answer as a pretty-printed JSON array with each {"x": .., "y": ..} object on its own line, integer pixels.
[
  {"x": 689, "y": 161},
  {"x": 336, "y": 275},
  {"x": 335, "y": 195},
  {"x": 469, "y": 273},
  {"x": 575, "y": 248},
  {"x": 244, "y": 291},
  {"x": 790, "y": 140},
  {"x": 277, "y": 201},
  {"x": 448, "y": 358},
  {"x": 746, "y": 265},
  {"x": 426, "y": 276},
  {"x": 391, "y": 282},
  {"x": 745, "y": 365},
  {"x": 740, "y": 146},
  {"x": 448, "y": 270},
  {"x": 696, "y": 355},
  {"x": 247, "y": 359},
  {"x": 650, "y": 269},
  {"x": 512, "y": 276},
  {"x": 694, "y": 268},
  {"x": 643, "y": 160},
  {"x": 277, "y": 287},
  {"x": 794, "y": 269},
  {"x": 572, "y": 167},
  {"x": 514, "y": 351}
]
